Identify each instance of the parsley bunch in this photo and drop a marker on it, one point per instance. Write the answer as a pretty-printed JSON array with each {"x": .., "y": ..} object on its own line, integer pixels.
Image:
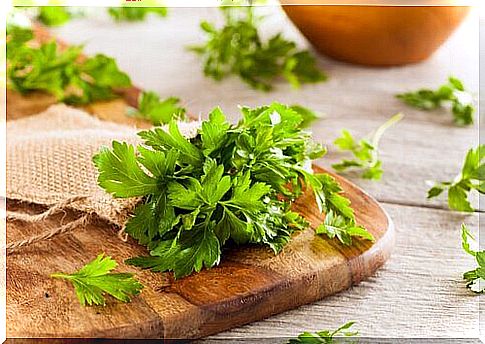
[
  {"x": 61, "y": 72},
  {"x": 454, "y": 92},
  {"x": 366, "y": 152},
  {"x": 472, "y": 177},
  {"x": 95, "y": 279},
  {"x": 475, "y": 278},
  {"x": 238, "y": 49},
  {"x": 326, "y": 336},
  {"x": 157, "y": 111},
  {"x": 230, "y": 183}
]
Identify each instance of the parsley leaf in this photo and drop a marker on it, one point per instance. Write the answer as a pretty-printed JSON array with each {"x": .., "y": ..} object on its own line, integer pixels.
[
  {"x": 95, "y": 279},
  {"x": 237, "y": 48},
  {"x": 228, "y": 184},
  {"x": 157, "y": 111},
  {"x": 135, "y": 13},
  {"x": 472, "y": 177},
  {"x": 454, "y": 92},
  {"x": 54, "y": 15},
  {"x": 326, "y": 336},
  {"x": 60, "y": 72},
  {"x": 475, "y": 279},
  {"x": 366, "y": 152}
]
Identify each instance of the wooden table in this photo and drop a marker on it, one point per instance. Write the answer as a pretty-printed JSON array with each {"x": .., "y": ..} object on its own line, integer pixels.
[{"x": 420, "y": 292}]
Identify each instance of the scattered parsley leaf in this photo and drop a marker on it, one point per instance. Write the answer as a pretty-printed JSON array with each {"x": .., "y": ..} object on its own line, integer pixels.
[
  {"x": 472, "y": 177},
  {"x": 475, "y": 279},
  {"x": 326, "y": 336},
  {"x": 366, "y": 152},
  {"x": 135, "y": 13},
  {"x": 60, "y": 72},
  {"x": 157, "y": 111},
  {"x": 230, "y": 183},
  {"x": 95, "y": 279},
  {"x": 454, "y": 92},
  {"x": 238, "y": 49},
  {"x": 54, "y": 15}
]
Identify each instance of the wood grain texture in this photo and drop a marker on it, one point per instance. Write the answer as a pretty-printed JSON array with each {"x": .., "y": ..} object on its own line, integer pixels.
[{"x": 250, "y": 284}]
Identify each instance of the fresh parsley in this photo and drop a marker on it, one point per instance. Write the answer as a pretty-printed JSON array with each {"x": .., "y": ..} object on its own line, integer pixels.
[
  {"x": 135, "y": 13},
  {"x": 454, "y": 92},
  {"x": 95, "y": 279},
  {"x": 54, "y": 15},
  {"x": 157, "y": 111},
  {"x": 472, "y": 177},
  {"x": 238, "y": 49},
  {"x": 475, "y": 279},
  {"x": 230, "y": 183},
  {"x": 61, "y": 72},
  {"x": 326, "y": 336},
  {"x": 366, "y": 152}
]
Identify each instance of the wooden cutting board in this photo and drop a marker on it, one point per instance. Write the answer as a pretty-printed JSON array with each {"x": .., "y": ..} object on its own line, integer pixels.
[{"x": 250, "y": 284}]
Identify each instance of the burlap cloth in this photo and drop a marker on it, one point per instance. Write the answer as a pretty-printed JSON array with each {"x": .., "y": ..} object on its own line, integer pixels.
[{"x": 49, "y": 162}]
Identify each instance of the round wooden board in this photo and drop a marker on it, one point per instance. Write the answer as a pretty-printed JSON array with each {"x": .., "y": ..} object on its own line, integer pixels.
[{"x": 250, "y": 284}]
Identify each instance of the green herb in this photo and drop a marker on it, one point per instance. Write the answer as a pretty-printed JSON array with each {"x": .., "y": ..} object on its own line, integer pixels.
[
  {"x": 326, "y": 336},
  {"x": 135, "y": 13},
  {"x": 308, "y": 116},
  {"x": 158, "y": 111},
  {"x": 472, "y": 177},
  {"x": 229, "y": 183},
  {"x": 475, "y": 278},
  {"x": 454, "y": 92},
  {"x": 61, "y": 72},
  {"x": 95, "y": 279},
  {"x": 237, "y": 49},
  {"x": 366, "y": 152},
  {"x": 54, "y": 15}
]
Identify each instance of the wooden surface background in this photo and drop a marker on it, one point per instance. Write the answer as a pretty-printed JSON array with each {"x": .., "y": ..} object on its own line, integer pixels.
[{"x": 419, "y": 293}]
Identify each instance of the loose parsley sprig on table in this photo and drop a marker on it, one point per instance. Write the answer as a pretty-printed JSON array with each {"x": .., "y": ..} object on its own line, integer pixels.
[
  {"x": 472, "y": 177},
  {"x": 135, "y": 13},
  {"x": 157, "y": 111},
  {"x": 366, "y": 152},
  {"x": 238, "y": 49},
  {"x": 60, "y": 72},
  {"x": 326, "y": 336},
  {"x": 95, "y": 279},
  {"x": 475, "y": 278},
  {"x": 454, "y": 92},
  {"x": 230, "y": 183}
]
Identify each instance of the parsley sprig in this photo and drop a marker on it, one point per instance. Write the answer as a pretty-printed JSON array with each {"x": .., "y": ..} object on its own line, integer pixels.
[
  {"x": 472, "y": 177},
  {"x": 453, "y": 92},
  {"x": 325, "y": 336},
  {"x": 95, "y": 279},
  {"x": 365, "y": 151},
  {"x": 61, "y": 72},
  {"x": 229, "y": 184},
  {"x": 475, "y": 279},
  {"x": 237, "y": 49},
  {"x": 135, "y": 13},
  {"x": 157, "y": 111}
]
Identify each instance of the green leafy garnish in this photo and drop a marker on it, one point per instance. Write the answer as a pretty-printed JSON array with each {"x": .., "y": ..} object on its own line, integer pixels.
[
  {"x": 475, "y": 279},
  {"x": 454, "y": 92},
  {"x": 472, "y": 177},
  {"x": 157, "y": 111},
  {"x": 135, "y": 13},
  {"x": 366, "y": 152},
  {"x": 326, "y": 336},
  {"x": 308, "y": 116},
  {"x": 54, "y": 15},
  {"x": 237, "y": 49},
  {"x": 61, "y": 72},
  {"x": 95, "y": 279},
  {"x": 229, "y": 183}
]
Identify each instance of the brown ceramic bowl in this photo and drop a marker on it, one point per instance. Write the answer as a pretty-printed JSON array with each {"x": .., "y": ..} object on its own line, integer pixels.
[{"x": 376, "y": 35}]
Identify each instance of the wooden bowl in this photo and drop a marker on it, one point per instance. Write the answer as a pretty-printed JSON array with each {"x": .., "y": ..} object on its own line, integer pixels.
[{"x": 376, "y": 35}]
